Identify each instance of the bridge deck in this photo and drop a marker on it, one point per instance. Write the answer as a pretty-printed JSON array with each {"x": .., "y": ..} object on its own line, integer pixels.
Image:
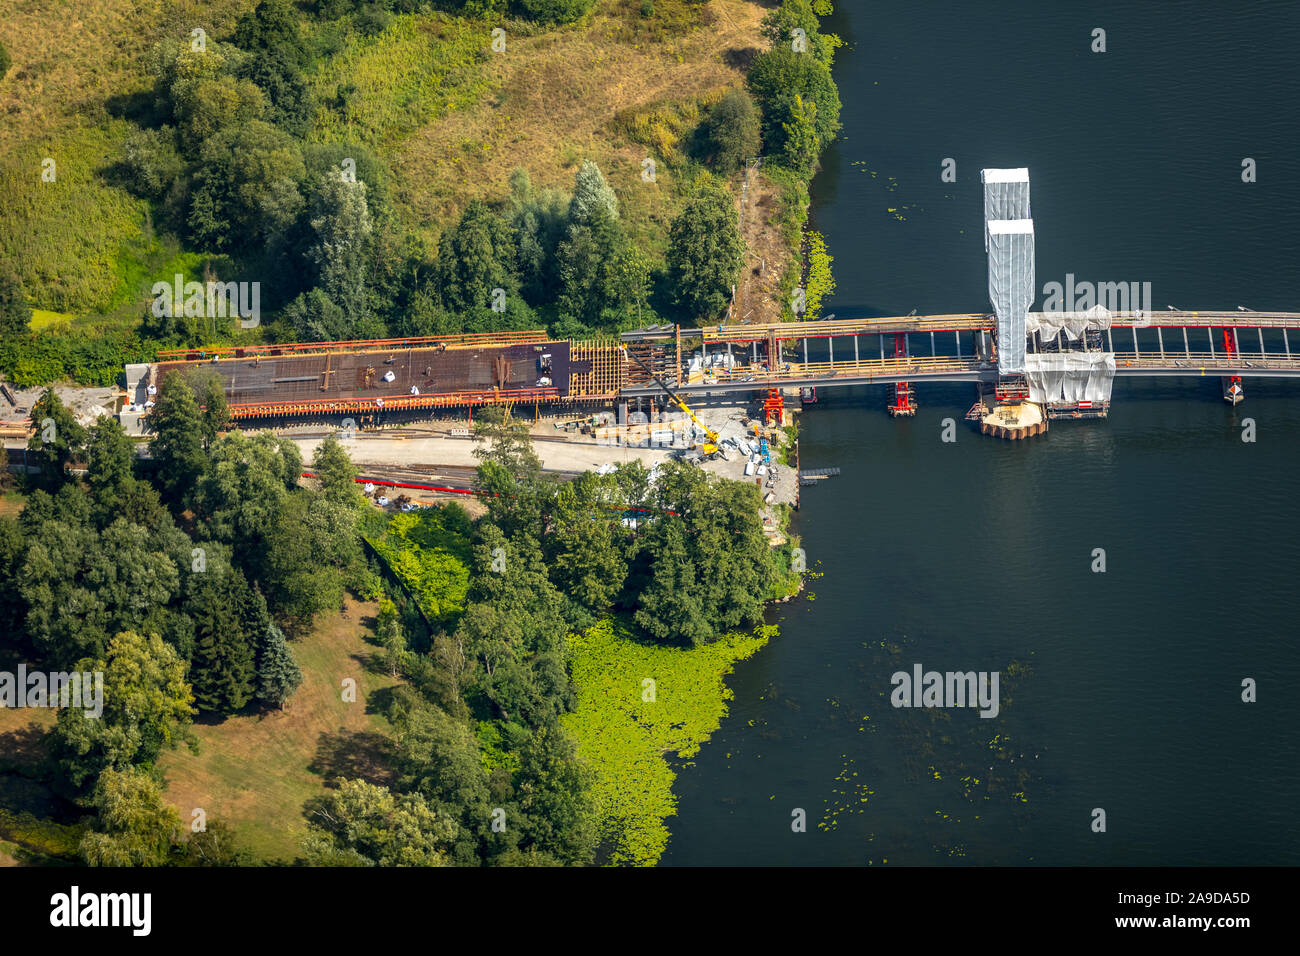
[
  {"x": 952, "y": 369},
  {"x": 970, "y": 322}
]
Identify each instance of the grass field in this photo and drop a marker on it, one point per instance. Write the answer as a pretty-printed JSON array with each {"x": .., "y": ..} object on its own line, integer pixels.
[
  {"x": 255, "y": 773},
  {"x": 449, "y": 116},
  {"x": 78, "y": 71}
]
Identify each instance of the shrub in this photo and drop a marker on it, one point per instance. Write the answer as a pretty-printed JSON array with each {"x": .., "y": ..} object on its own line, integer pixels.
[{"x": 729, "y": 136}]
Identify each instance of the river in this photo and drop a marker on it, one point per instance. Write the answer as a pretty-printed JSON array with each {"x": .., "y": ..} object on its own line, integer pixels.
[{"x": 1120, "y": 690}]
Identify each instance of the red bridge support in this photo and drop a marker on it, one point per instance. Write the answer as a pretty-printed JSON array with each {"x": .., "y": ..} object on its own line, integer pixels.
[{"x": 904, "y": 399}]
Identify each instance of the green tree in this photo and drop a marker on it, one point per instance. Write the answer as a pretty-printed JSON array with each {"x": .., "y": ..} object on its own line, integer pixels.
[
  {"x": 154, "y": 164},
  {"x": 589, "y": 267},
  {"x": 540, "y": 221},
  {"x": 335, "y": 471},
  {"x": 315, "y": 317},
  {"x": 221, "y": 669},
  {"x": 135, "y": 827},
  {"x": 509, "y": 475},
  {"x": 438, "y": 757},
  {"x": 552, "y": 787},
  {"x": 81, "y": 587},
  {"x": 246, "y": 184},
  {"x": 245, "y": 487},
  {"x": 179, "y": 434},
  {"x": 552, "y": 11},
  {"x": 705, "y": 251},
  {"x": 278, "y": 674},
  {"x": 672, "y": 605},
  {"x": 513, "y": 630},
  {"x": 705, "y": 570},
  {"x": 366, "y": 825},
  {"x": 777, "y": 77},
  {"x": 587, "y": 547},
  {"x": 311, "y": 550},
  {"x": 218, "y": 103},
  {"x": 216, "y": 845},
  {"x": 729, "y": 136},
  {"x": 341, "y": 251},
  {"x": 110, "y": 459},
  {"x": 56, "y": 441},
  {"x": 146, "y": 706},
  {"x": 475, "y": 257},
  {"x": 801, "y": 146},
  {"x": 12, "y": 547},
  {"x": 15, "y": 313},
  {"x": 5, "y": 61},
  {"x": 210, "y": 393},
  {"x": 591, "y": 193},
  {"x": 279, "y": 55},
  {"x": 781, "y": 24}
]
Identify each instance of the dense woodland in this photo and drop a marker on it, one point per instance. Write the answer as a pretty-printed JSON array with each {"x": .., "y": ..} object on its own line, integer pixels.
[
  {"x": 187, "y": 577},
  {"x": 224, "y": 153}
]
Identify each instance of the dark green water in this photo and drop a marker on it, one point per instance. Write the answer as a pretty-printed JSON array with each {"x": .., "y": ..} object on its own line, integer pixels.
[{"x": 977, "y": 555}]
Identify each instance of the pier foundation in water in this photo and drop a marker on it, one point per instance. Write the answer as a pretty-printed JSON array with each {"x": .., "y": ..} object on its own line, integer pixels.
[{"x": 1014, "y": 421}]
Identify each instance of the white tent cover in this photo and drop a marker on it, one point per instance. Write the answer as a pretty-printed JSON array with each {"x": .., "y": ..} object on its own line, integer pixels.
[
  {"x": 1050, "y": 324},
  {"x": 1070, "y": 376}
]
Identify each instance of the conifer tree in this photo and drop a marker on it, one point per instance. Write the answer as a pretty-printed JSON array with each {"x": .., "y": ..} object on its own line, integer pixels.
[
  {"x": 221, "y": 670},
  {"x": 278, "y": 674}
]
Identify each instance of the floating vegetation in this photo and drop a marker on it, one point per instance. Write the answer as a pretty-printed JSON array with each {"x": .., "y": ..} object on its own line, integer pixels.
[
  {"x": 850, "y": 800},
  {"x": 628, "y": 740}
]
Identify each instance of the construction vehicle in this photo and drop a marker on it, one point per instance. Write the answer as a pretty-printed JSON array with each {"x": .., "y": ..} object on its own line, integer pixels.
[{"x": 709, "y": 448}]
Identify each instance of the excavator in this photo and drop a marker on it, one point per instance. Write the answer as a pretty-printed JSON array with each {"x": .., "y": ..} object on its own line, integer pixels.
[{"x": 709, "y": 448}]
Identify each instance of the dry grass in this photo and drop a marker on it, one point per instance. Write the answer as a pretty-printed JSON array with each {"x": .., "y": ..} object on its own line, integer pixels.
[
  {"x": 758, "y": 294},
  {"x": 11, "y": 506},
  {"x": 256, "y": 772},
  {"x": 22, "y": 733},
  {"x": 555, "y": 105}
]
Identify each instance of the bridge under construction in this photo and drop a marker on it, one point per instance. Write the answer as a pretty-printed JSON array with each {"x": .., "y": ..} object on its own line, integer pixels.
[{"x": 1028, "y": 367}]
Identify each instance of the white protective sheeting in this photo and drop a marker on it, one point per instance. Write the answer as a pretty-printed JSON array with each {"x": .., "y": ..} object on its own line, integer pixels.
[
  {"x": 1050, "y": 324},
  {"x": 1009, "y": 241},
  {"x": 1011, "y": 287},
  {"x": 1006, "y": 194},
  {"x": 1069, "y": 376}
]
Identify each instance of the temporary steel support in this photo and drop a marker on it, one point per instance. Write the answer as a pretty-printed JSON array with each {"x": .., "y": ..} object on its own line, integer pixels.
[
  {"x": 1287, "y": 342},
  {"x": 1187, "y": 348},
  {"x": 677, "y": 372},
  {"x": 1161, "y": 339}
]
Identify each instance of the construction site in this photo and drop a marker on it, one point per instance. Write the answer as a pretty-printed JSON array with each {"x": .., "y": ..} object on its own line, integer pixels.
[{"x": 405, "y": 408}]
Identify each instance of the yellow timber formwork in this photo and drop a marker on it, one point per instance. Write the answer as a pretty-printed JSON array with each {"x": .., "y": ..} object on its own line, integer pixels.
[{"x": 598, "y": 370}]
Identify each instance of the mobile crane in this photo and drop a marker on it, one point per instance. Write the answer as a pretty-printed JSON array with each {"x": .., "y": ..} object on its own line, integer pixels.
[{"x": 710, "y": 447}]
